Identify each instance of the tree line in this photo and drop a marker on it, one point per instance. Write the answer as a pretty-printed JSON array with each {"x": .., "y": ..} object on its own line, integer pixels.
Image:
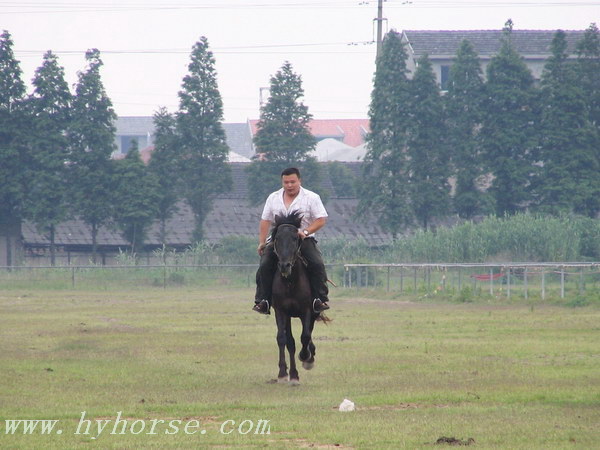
[
  {"x": 56, "y": 147},
  {"x": 508, "y": 144}
]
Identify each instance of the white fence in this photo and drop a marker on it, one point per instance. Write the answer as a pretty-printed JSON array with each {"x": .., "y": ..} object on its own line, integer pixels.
[
  {"x": 507, "y": 278},
  {"x": 541, "y": 280}
]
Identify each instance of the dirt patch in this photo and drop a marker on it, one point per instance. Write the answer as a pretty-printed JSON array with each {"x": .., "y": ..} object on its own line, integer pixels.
[{"x": 454, "y": 441}]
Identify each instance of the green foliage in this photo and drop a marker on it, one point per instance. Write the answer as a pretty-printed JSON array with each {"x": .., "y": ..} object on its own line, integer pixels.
[
  {"x": 237, "y": 250},
  {"x": 509, "y": 133},
  {"x": 46, "y": 199},
  {"x": 383, "y": 188},
  {"x": 91, "y": 142},
  {"x": 201, "y": 137},
  {"x": 463, "y": 104},
  {"x": 428, "y": 164},
  {"x": 521, "y": 237},
  {"x": 165, "y": 161},
  {"x": 264, "y": 177},
  {"x": 13, "y": 125},
  {"x": 588, "y": 68},
  {"x": 137, "y": 194},
  {"x": 283, "y": 133},
  {"x": 347, "y": 251},
  {"x": 343, "y": 179},
  {"x": 569, "y": 180},
  {"x": 283, "y": 139}
]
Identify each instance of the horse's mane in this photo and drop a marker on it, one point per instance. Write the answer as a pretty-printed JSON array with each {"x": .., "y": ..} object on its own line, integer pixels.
[{"x": 294, "y": 218}]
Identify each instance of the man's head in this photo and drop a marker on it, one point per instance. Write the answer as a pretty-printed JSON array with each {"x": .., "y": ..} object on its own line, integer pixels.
[{"x": 291, "y": 181}]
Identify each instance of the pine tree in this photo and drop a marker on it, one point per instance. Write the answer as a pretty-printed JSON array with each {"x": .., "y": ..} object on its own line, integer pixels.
[
  {"x": 568, "y": 138},
  {"x": 137, "y": 193},
  {"x": 283, "y": 138},
  {"x": 464, "y": 101},
  {"x": 509, "y": 127},
  {"x": 201, "y": 136},
  {"x": 164, "y": 163},
  {"x": 383, "y": 189},
  {"x": 428, "y": 155},
  {"x": 14, "y": 124},
  {"x": 91, "y": 143},
  {"x": 46, "y": 189},
  {"x": 588, "y": 70}
]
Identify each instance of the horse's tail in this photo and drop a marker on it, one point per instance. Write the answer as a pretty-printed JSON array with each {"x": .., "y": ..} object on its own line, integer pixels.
[{"x": 323, "y": 318}]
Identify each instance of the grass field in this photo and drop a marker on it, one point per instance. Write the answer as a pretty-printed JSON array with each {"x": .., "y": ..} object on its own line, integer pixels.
[{"x": 505, "y": 376}]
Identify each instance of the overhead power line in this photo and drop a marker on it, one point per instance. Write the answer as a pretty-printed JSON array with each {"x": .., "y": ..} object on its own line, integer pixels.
[
  {"x": 42, "y": 7},
  {"x": 245, "y": 49}
]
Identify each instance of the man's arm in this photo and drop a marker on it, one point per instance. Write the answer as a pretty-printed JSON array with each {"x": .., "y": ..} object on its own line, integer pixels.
[
  {"x": 314, "y": 227},
  {"x": 263, "y": 231}
]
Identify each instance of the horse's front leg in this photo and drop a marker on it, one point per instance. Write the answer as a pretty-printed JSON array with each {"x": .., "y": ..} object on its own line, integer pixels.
[
  {"x": 291, "y": 346},
  {"x": 282, "y": 321},
  {"x": 306, "y": 354}
]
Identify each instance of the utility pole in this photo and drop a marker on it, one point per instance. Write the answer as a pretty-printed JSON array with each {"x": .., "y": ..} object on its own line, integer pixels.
[{"x": 379, "y": 21}]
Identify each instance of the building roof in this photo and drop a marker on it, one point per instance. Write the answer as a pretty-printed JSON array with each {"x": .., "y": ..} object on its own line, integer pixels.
[
  {"x": 134, "y": 125},
  {"x": 239, "y": 138},
  {"x": 231, "y": 215},
  {"x": 237, "y": 135},
  {"x": 333, "y": 150},
  {"x": 486, "y": 42},
  {"x": 349, "y": 131}
]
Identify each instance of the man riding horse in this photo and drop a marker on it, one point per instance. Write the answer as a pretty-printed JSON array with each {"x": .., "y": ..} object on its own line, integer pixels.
[{"x": 292, "y": 197}]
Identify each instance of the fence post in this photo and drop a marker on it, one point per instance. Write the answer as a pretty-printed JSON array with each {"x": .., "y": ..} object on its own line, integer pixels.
[
  {"x": 444, "y": 274},
  {"x": 562, "y": 282},
  {"x": 73, "y": 277},
  {"x": 508, "y": 283},
  {"x": 525, "y": 282},
  {"x": 491, "y": 281},
  {"x": 459, "y": 278},
  {"x": 581, "y": 288},
  {"x": 401, "y": 279},
  {"x": 428, "y": 279},
  {"x": 388, "y": 279},
  {"x": 415, "y": 278},
  {"x": 543, "y": 284}
]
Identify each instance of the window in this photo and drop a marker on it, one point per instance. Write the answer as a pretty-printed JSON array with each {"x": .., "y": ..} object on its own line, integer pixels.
[
  {"x": 126, "y": 141},
  {"x": 444, "y": 77}
]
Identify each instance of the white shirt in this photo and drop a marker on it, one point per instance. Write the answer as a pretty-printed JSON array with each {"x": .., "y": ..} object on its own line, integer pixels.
[{"x": 307, "y": 203}]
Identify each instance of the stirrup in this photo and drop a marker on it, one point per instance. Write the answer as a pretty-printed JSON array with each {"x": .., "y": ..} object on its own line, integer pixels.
[
  {"x": 260, "y": 308},
  {"x": 319, "y": 306}
]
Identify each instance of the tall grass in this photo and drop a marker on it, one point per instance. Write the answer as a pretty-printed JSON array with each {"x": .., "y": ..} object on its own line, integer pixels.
[{"x": 522, "y": 237}]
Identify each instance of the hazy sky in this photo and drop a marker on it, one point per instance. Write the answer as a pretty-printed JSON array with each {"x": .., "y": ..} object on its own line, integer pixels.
[{"x": 145, "y": 45}]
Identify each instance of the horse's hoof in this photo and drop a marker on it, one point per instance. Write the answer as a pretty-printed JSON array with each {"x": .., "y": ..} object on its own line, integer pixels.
[
  {"x": 308, "y": 365},
  {"x": 282, "y": 380},
  {"x": 294, "y": 382}
]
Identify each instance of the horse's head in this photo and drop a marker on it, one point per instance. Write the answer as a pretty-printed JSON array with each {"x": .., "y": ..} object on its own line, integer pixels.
[{"x": 286, "y": 241}]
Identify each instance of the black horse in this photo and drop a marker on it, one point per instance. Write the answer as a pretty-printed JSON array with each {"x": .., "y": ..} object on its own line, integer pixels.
[{"x": 292, "y": 297}]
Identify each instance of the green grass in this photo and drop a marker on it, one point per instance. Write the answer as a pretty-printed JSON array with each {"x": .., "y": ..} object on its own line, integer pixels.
[{"x": 506, "y": 375}]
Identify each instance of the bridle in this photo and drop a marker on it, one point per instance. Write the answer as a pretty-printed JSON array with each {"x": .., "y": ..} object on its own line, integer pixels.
[{"x": 299, "y": 243}]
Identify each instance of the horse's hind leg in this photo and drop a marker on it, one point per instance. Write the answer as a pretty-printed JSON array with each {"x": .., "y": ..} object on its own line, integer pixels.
[
  {"x": 291, "y": 346},
  {"x": 282, "y": 377}
]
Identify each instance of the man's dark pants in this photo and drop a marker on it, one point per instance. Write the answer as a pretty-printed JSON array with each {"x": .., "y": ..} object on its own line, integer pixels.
[{"x": 314, "y": 262}]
